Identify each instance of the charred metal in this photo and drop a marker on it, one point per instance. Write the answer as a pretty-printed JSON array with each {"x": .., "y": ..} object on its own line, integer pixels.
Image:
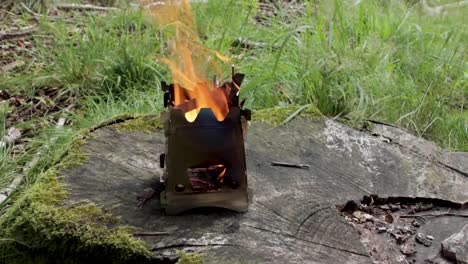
[{"x": 204, "y": 160}]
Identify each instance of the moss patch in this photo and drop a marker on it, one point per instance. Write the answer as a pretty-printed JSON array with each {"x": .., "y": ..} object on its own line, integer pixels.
[
  {"x": 146, "y": 124},
  {"x": 41, "y": 227},
  {"x": 190, "y": 258},
  {"x": 277, "y": 115}
]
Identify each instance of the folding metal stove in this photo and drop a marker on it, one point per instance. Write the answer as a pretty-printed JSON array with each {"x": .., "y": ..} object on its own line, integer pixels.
[{"x": 204, "y": 160}]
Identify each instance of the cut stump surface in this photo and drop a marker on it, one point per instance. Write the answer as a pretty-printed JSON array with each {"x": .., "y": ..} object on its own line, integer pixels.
[{"x": 293, "y": 218}]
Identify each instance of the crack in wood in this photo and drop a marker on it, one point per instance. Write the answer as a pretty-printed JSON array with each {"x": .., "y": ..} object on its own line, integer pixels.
[
  {"x": 414, "y": 200},
  {"x": 417, "y": 153},
  {"x": 264, "y": 229},
  {"x": 434, "y": 215},
  {"x": 274, "y": 212},
  {"x": 185, "y": 245},
  {"x": 342, "y": 176},
  {"x": 308, "y": 217},
  {"x": 307, "y": 241},
  {"x": 452, "y": 168}
]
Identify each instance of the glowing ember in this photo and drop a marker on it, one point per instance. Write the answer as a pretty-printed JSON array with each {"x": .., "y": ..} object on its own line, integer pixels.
[
  {"x": 190, "y": 62},
  {"x": 207, "y": 179}
]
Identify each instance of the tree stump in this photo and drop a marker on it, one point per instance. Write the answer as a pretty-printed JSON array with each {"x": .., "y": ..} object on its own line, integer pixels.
[{"x": 292, "y": 218}]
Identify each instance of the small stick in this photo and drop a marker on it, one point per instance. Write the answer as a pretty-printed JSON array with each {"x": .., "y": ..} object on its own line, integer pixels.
[
  {"x": 289, "y": 165},
  {"x": 145, "y": 198},
  {"x": 293, "y": 115},
  {"x": 30, "y": 11},
  {"x": 18, "y": 34},
  {"x": 151, "y": 234},
  {"x": 433, "y": 215},
  {"x": 71, "y": 6},
  {"x": 37, "y": 16},
  {"x": 5, "y": 193}
]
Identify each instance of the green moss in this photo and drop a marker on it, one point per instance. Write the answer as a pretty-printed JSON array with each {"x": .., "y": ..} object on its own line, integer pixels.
[
  {"x": 74, "y": 156},
  {"x": 146, "y": 124},
  {"x": 277, "y": 115},
  {"x": 190, "y": 258},
  {"x": 114, "y": 120},
  {"x": 42, "y": 227}
]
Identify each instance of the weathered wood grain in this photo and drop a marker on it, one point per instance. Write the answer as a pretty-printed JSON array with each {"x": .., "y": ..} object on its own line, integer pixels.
[{"x": 292, "y": 218}]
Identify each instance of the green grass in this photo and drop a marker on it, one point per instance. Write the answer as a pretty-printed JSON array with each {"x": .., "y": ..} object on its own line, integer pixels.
[
  {"x": 380, "y": 60},
  {"x": 373, "y": 60}
]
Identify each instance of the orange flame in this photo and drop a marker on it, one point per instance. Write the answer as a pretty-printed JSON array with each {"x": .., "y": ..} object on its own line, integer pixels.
[{"x": 189, "y": 61}]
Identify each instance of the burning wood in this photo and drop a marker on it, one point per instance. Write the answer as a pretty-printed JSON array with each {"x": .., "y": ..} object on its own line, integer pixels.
[
  {"x": 191, "y": 64},
  {"x": 204, "y": 163}
]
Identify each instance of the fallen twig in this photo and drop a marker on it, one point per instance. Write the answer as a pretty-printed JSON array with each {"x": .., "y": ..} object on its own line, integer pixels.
[
  {"x": 290, "y": 165},
  {"x": 84, "y": 7},
  {"x": 18, "y": 34},
  {"x": 51, "y": 18},
  {"x": 30, "y": 11},
  {"x": 293, "y": 115},
  {"x": 11, "y": 66},
  {"x": 5, "y": 193},
  {"x": 442, "y": 9},
  {"x": 145, "y": 198},
  {"x": 433, "y": 215}
]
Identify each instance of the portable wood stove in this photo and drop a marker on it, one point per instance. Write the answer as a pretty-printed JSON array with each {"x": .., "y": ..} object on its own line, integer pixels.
[{"x": 204, "y": 161}]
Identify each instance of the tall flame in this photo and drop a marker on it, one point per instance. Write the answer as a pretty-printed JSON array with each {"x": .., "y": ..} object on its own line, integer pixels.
[{"x": 189, "y": 61}]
